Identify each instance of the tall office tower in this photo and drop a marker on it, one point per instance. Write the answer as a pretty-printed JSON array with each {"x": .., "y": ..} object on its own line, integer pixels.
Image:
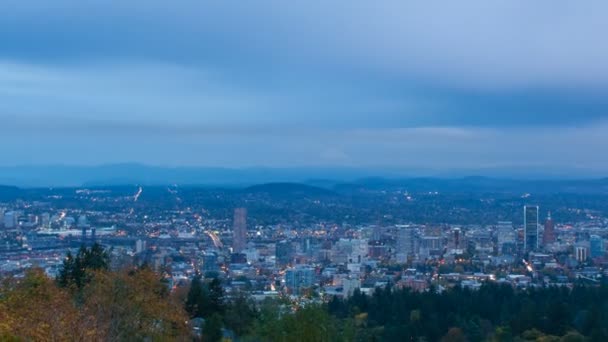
[
  {"x": 284, "y": 253},
  {"x": 45, "y": 220},
  {"x": 82, "y": 221},
  {"x": 10, "y": 219},
  {"x": 456, "y": 236},
  {"x": 239, "y": 230},
  {"x": 549, "y": 233},
  {"x": 406, "y": 242},
  {"x": 530, "y": 228},
  {"x": 581, "y": 253},
  {"x": 506, "y": 237}
]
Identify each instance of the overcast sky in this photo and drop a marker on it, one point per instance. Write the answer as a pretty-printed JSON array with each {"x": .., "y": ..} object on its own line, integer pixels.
[{"x": 395, "y": 84}]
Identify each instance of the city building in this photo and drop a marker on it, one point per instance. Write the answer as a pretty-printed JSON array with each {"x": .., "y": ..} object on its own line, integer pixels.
[
  {"x": 239, "y": 230},
  {"x": 406, "y": 242},
  {"x": 299, "y": 278},
  {"x": 210, "y": 262},
  {"x": 456, "y": 238},
  {"x": 549, "y": 233},
  {"x": 506, "y": 238},
  {"x": 347, "y": 251},
  {"x": 530, "y": 228},
  {"x": 581, "y": 253},
  {"x": 82, "y": 221},
  {"x": 10, "y": 220},
  {"x": 284, "y": 253}
]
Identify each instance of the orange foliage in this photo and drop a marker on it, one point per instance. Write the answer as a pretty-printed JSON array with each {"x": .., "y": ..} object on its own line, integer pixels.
[{"x": 114, "y": 306}]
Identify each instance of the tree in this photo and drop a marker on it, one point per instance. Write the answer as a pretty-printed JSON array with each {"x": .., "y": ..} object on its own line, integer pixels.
[
  {"x": 35, "y": 309},
  {"x": 204, "y": 300},
  {"x": 216, "y": 297},
  {"x": 195, "y": 299},
  {"x": 573, "y": 336},
  {"x": 212, "y": 330},
  {"x": 133, "y": 305},
  {"x": 75, "y": 269},
  {"x": 308, "y": 324},
  {"x": 454, "y": 335},
  {"x": 240, "y": 314}
]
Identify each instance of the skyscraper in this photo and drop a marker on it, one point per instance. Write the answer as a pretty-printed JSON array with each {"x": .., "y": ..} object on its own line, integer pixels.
[
  {"x": 299, "y": 278},
  {"x": 10, "y": 219},
  {"x": 239, "y": 230},
  {"x": 284, "y": 253},
  {"x": 530, "y": 228},
  {"x": 549, "y": 233},
  {"x": 406, "y": 242},
  {"x": 506, "y": 237}
]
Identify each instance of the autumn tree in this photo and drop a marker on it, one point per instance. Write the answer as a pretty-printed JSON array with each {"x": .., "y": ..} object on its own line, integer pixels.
[
  {"x": 35, "y": 309},
  {"x": 134, "y": 305}
]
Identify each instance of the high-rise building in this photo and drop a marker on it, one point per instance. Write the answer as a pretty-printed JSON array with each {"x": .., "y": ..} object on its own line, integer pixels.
[
  {"x": 299, "y": 278},
  {"x": 210, "y": 262},
  {"x": 284, "y": 253},
  {"x": 10, "y": 219},
  {"x": 456, "y": 233},
  {"x": 506, "y": 237},
  {"x": 549, "y": 233},
  {"x": 596, "y": 246},
  {"x": 82, "y": 221},
  {"x": 45, "y": 220},
  {"x": 581, "y": 253},
  {"x": 239, "y": 230},
  {"x": 406, "y": 242},
  {"x": 530, "y": 228},
  {"x": 140, "y": 246}
]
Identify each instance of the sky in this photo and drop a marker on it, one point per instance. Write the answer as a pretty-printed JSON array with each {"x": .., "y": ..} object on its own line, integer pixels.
[{"x": 460, "y": 85}]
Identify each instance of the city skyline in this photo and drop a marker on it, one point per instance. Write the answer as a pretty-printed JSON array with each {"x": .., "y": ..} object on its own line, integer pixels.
[{"x": 276, "y": 170}]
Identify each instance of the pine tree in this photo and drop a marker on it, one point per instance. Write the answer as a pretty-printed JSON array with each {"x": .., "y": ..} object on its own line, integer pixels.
[
  {"x": 75, "y": 269},
  {"x": 216, "y": 297},
  {"x": 212, "y": 330},
  {"x": 195, "y": 297}
]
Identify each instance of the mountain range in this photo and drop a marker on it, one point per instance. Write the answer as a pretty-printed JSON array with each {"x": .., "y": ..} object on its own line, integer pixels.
[{"x": 327, "y": 178}]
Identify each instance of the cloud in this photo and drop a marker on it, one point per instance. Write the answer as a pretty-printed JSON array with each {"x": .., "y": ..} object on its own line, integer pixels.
[
  {"x": 467, "y": 43},
  {"x": 305, "y": 82}
]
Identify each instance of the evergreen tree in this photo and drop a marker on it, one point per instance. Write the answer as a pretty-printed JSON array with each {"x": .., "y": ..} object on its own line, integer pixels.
[
  {"x": 195, "y": 297},
  {"x": 75, "y": 269},
  {"x": 212, "y": 330},
  {"x": 216, "y": 297},
  {"x": 240, "y": 315}
]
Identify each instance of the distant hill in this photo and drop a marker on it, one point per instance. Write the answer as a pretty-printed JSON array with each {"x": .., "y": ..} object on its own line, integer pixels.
[
  {"x": 9, "y": 192},
  {"x": 339, "y": 180},
  {"x": 477, "y": 184},
  {"x": 130, "y": 174},
  {"x": 288, "y": 189}
]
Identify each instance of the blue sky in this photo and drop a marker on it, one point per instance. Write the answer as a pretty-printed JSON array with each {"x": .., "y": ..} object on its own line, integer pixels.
[{"x": 382, "y": 84}]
